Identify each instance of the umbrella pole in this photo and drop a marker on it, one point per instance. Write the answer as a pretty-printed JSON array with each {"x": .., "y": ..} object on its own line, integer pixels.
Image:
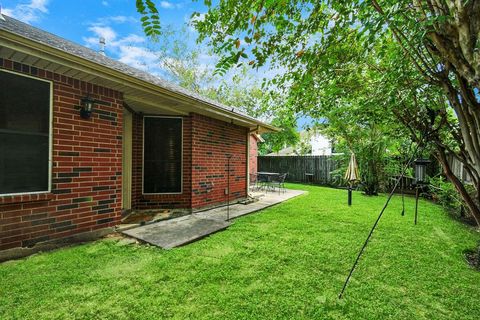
[{"x": 350, "y": 195}]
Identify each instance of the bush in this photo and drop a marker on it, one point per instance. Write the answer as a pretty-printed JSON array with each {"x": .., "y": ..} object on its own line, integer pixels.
[{"x": 444, "y": 193}]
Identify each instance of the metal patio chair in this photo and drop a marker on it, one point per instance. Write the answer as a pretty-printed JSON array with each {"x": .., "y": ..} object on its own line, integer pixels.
[
  {"x": 262, "y": 182},
  {"x": 279, "y": 182}
]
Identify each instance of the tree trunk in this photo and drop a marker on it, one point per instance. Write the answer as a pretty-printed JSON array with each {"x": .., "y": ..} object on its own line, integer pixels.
[
  {"x": 454, "y": 42},
  {"x": 472, "y": 205}
]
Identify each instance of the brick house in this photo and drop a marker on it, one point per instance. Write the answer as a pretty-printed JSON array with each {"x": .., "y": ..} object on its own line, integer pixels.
[{"x": 68, "y": 173}]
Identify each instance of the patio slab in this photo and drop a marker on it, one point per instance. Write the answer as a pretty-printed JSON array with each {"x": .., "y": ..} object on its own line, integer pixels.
[
  {"x": 176, "y": 232},
  {"x": 237, "y": 210},
  {"x": 180, "y": 231}
]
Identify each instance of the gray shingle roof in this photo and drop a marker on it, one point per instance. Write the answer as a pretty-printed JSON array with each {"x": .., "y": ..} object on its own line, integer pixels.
[{"x": 27, "y": 31}]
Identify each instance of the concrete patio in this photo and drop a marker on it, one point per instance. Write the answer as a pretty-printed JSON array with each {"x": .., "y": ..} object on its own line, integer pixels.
[{"x": 180, "y": 231}]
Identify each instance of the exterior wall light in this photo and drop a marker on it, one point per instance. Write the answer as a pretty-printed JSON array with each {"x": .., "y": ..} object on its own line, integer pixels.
[{"x": 86, "y": 108}]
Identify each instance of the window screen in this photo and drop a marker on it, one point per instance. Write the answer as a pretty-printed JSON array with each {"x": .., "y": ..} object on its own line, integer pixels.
[
  {"x": 24, "y": 134},
  {"x": 162, "y": 155}
]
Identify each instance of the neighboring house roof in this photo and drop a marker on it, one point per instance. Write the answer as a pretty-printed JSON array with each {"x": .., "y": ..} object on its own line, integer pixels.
[
  {"x": 310, "y": 138},
  {"x": 88, "y": 56},
  {"x": 288, "y": 151}
]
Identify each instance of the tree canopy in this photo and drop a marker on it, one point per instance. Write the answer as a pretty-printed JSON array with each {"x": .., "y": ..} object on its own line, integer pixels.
[{"x": 409, "y": 62}]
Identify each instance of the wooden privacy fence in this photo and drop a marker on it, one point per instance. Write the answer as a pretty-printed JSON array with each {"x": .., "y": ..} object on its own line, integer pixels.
[
  {"x": 318, "y": 170},
  {"x": 315, "y": 169}
]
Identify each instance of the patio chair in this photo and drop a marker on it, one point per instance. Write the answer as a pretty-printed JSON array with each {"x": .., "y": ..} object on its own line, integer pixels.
[
  {"x": 262, "y": 182},
  {"x": 279, "y": 182}
]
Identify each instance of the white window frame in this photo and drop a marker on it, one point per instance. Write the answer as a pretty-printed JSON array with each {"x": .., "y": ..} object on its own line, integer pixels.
[
  {"x": 143, "y": 155},
  {"x": 50, "y": 138}
]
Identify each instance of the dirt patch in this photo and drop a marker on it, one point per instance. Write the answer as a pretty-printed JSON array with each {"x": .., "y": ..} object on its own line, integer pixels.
[
  {"x": 141, "y": 217},
  {"x": 473, "y": 258}
]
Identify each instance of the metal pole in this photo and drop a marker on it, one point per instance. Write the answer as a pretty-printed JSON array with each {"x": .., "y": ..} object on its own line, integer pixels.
[
  {"x": 416, "y": 204},
  {"x": 350, "y": 195},
  {"x": 376, "y": 223},
  {"x": 228, "y": 186}
]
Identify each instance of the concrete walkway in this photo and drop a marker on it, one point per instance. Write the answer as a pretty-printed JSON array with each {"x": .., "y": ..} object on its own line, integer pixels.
[
  {"x": 237, "y": 210},
  {"x": 180, "y": 231}
]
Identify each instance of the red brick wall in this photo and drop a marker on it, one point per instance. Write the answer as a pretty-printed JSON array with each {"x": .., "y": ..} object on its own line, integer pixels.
[
  {"x": 169, "y": 201},
  {"x": 206, "y": 141},
  {"x": 86, "y": 173},
  {"x": 253, "y": 155},
  {"x": 212, "y": 141}
]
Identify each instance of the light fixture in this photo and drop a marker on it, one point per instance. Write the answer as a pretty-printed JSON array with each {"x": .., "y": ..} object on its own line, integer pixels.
[
  {"x": 86, "y": 107},
  {"x": 421, "y": 170},
  {"x": 420, "y": 180}
]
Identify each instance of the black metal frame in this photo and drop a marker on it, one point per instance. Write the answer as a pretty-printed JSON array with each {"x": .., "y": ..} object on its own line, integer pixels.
[
  {"x": 229, "y": 156},
  {"x": 378, "y": 219}
]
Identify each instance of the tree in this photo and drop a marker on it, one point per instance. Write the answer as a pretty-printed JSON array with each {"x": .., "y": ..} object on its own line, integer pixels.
[
  {"x": 180, "y": 61},
  {"x": 276, "y": 141},
  {"x": 439, "y": 39},
  {"x": 351, "y": 93},
  {"x": 367, "y": 141}
]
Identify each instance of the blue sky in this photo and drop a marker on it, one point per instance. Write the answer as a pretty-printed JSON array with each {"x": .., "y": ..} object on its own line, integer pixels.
[
  {"x": 117, "y": 21},
  {"x": 84, "y": 22}
]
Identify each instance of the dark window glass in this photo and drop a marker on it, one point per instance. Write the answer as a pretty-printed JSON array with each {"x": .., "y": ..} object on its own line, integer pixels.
[
  {"x": 24, "y": 134},
  {"x": 162, "y": 158}
]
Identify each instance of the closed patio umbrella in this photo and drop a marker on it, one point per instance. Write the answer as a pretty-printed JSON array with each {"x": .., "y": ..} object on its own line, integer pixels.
[{"x": 351, "y": 176}]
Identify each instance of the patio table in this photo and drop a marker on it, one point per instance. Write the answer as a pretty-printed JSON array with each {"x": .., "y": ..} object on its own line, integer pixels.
[
  {"x": 265, "y": 178},
  {"x": 268, "y": 174}
]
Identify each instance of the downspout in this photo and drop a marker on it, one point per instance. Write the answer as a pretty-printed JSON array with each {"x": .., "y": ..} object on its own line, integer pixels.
[{"x": 248, "y": 164}]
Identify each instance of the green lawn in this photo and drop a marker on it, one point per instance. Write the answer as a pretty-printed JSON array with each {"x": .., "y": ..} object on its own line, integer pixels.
[{"x": 288, "y": 262}]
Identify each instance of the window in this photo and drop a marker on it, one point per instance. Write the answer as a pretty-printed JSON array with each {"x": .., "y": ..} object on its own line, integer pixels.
[
  {"x": 24, "y": 134},
  {"x": 162, "y": 155}
]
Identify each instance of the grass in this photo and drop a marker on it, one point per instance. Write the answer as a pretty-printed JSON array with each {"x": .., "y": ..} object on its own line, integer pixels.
[{"x": 288, "y": 261}]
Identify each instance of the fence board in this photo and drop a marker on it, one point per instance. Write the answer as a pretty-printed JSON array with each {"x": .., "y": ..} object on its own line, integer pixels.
[
  {"x": 298, "y": 166},
  {"x": 458, "y": 170}
]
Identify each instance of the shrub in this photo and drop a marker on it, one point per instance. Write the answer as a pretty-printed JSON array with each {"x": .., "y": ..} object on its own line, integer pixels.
[{"x": 444, "y": 193}]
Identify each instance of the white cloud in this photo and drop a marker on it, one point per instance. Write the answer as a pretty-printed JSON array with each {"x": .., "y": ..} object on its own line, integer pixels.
[
  {"x": 122, "y": 19},
  {"x": 104, "y": 32},
  {"x": 7, "y": 12},
  {"x": 105, "y": 3},
  {"x": 171, "y": 5},
  {"x": 166, "y": 5},
  {"x": 127, "y": 49},
  {"x": 111, "y": 37},
  {"x": 131, "y": 38},
  {"x": 40, "y": 5},
  {"x": 105, "y": 21},
  {"x": 28, "y": 12},
  {"x": 138, "y": 57}
]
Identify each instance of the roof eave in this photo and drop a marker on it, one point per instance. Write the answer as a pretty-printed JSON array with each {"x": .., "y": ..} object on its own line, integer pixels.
[{"x": 37, "y": 48}]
